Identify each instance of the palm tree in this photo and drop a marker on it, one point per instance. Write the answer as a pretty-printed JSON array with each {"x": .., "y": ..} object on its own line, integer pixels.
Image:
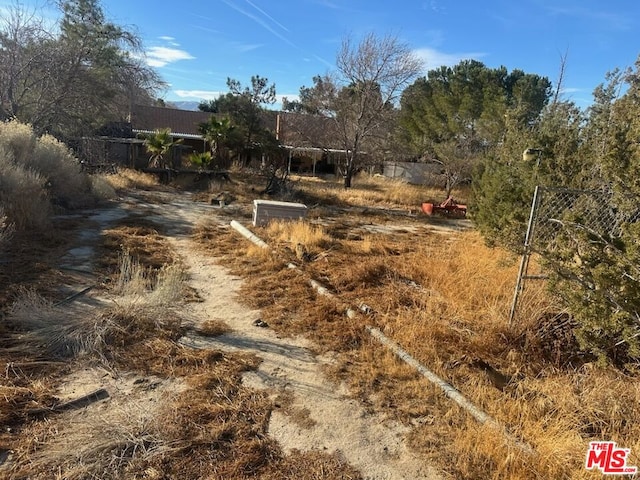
[
  {"x": 158, "y": 144},
  {"x": 217, "y": 133},
  {"x": 201, "y": 160}
]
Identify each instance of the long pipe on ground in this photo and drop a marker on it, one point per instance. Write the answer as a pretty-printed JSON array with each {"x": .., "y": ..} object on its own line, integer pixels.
[
  {"x": 245, "y": 232},
  {"x": 447, "y": 388},
  {"x": 321, "y": 289}
]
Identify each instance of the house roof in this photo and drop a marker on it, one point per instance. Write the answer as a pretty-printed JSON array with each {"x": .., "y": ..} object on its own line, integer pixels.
[
  {"x": 181, "y": 122},
  {"x": 294, "y": 130}
]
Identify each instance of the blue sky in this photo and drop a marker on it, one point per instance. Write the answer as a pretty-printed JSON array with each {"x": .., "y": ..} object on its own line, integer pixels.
[{"x": 197, "y": 44}]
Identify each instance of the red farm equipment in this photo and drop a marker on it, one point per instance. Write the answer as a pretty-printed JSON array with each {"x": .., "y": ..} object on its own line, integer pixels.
[{"x": 448, "y": 208}]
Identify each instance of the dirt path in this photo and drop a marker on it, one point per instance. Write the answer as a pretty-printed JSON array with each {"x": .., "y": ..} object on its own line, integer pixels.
[
  {"x": 318, "y": 415},
  {"x": 336, "y": 423},
  {"x": 331, "y": 421}
]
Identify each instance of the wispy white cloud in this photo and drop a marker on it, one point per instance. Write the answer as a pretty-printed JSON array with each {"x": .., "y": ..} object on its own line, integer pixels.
[
  {"x": 328, "y": 4},
  {"x": 259, "y": 21},
  {"x": 247, "y": 47},
  {"x": 326, "y": 62},
  {"x": 267, "y": 15},
  {"x": 161, "y": 56},
  {"x": 433, "y": 5},
  {"x": 169, "y": 40},
  {"x": 206, "y": 29},
  {"x": 433, "y": 58},
  {"x": 199, "y": 94},
  {"x": 572, "y": 90}
]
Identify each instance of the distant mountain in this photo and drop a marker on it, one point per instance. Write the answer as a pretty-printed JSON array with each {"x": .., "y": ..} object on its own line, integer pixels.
[{"x": 192, "y": 106}]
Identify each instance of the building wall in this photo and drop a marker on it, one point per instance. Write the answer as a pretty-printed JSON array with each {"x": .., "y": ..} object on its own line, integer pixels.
[{"x": 415, "y": 173}]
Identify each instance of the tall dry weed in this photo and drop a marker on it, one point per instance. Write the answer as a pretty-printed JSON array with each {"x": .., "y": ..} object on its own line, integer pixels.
[
  {"x": 101, "y": 188},
  {"x": 101, "y": 446},
  {"x": 132, "y": 278},
  {"x": 312, "y": 237},
  {"x": 155, "y": 288},
  {"x": 54, "y": 332}
]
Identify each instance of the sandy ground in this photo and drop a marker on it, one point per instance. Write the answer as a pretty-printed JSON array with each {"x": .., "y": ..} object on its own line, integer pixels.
[{"x": 326, "y": 418}]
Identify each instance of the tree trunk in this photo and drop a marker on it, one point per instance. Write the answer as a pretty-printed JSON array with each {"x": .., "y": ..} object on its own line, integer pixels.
[
  {"x": 348, "y": 173},
  {"x": 347, "y": 180}
]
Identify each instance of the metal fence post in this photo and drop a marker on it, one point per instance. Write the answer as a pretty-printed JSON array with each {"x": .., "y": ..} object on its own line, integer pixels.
[{"x": 524, "y": 263}]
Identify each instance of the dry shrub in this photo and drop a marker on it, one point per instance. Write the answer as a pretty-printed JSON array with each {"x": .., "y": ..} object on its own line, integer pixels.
[
  {"x": 168, "y": 286},
  {"x": 22, "y": 195},
  {"x": 102, "y": 446},
  {"x": 132, "y": 277},
  {"x": 68, "y": 186},
  {"x": 54, "y": 332},
  {"x": 19, "y": 139},
  {"x": 161, "y": 287},
  {"x": 36, "y": 173},
  {"x": 101, "y": 188},
  {"x": 58, "y": 332}
]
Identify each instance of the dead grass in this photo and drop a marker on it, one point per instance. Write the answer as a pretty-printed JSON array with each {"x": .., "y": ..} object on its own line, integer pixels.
[
  {"x": 213, "y": 327},
  {"x": 299, "y": 232},
  {"x": 446, "y": 299},
  {"x": 141, "y": 241},
  {"x": 443, "y": 298},
  {"x": 372, "y": 191},
  {"x": 128, "y": 178}
]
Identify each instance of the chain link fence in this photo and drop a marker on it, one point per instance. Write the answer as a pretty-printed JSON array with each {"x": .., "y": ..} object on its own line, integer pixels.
[
  {"x": 558, "y": 218},
  {"x": 561, "y": 208}
]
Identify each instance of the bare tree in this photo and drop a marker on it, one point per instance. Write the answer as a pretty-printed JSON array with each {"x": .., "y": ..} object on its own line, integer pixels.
[
  {"x": 360, "y": 97},
  {"x": 70, "y": 78},
  {"x": 24, "y": 57}
]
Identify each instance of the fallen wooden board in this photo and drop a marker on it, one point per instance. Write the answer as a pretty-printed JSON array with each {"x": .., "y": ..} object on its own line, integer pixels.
[{"x": 79, "y": 402}]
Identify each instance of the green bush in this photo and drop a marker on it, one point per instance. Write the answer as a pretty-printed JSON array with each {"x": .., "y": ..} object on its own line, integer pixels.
[{"x": 594, "y": 266}]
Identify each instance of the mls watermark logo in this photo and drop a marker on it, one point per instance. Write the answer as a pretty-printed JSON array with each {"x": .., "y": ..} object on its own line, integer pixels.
[{"x": 609, "y": 459}]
